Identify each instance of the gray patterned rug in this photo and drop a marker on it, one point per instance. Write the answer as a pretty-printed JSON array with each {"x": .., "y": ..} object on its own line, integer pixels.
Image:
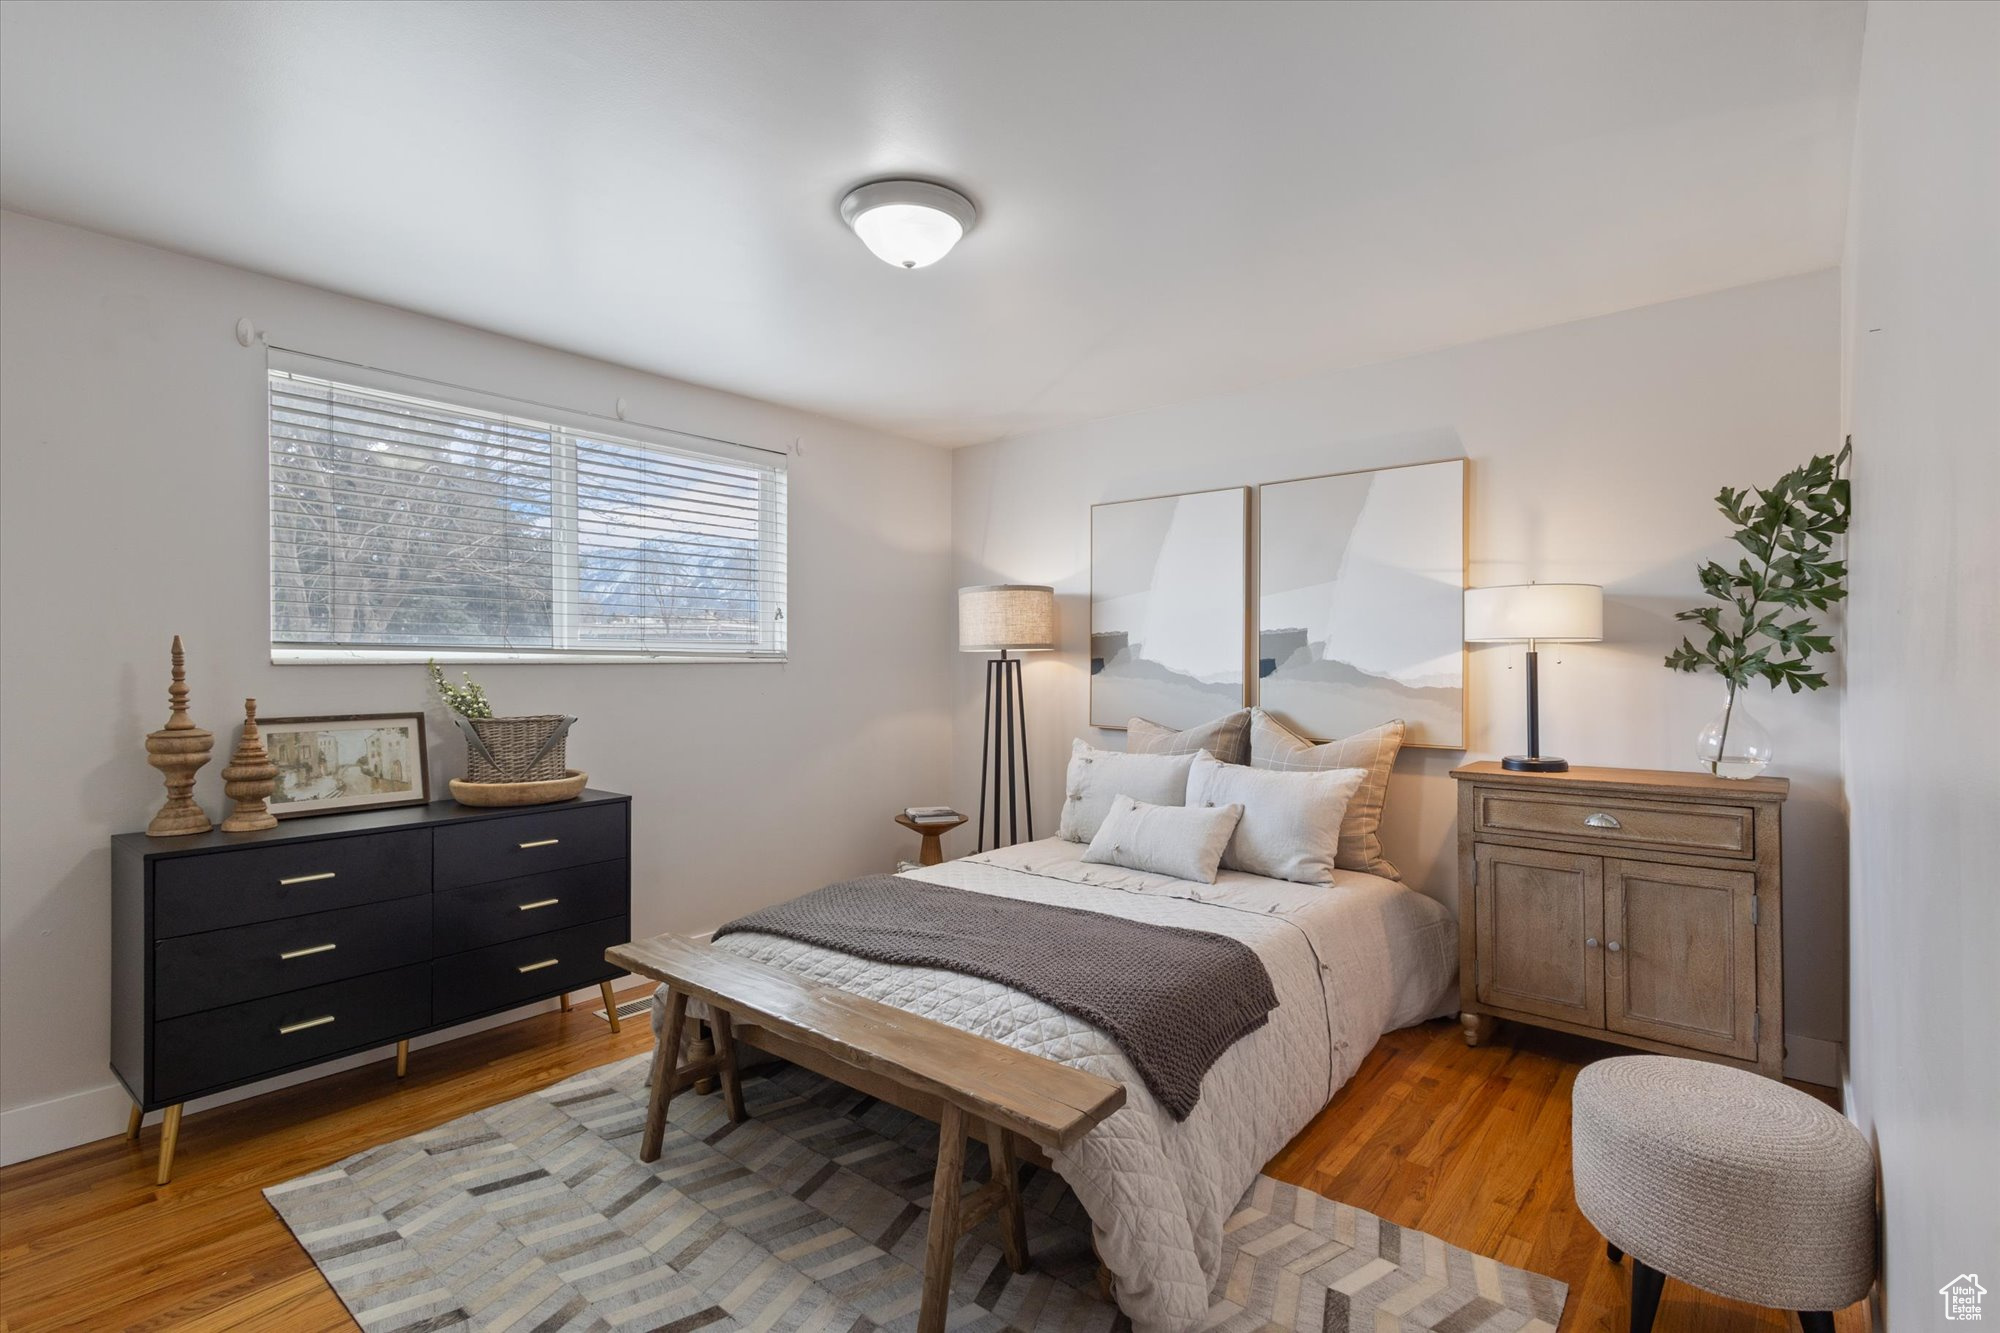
[{"x": 809, "y": 1218}]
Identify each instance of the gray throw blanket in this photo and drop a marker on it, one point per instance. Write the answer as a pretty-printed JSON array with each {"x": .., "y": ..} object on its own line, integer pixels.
[{"x": 1173, "y": 1000}]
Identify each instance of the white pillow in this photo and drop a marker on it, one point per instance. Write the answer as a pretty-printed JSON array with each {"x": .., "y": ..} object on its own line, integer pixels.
[
  {"x": 1098, "y": 777},
  {"x": 1164, "y": 839},
  {"x": 1291, "y": 821}
]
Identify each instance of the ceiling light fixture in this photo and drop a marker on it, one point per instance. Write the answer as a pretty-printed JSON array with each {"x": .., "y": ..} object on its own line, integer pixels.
[{"x": 910, "y": 224}]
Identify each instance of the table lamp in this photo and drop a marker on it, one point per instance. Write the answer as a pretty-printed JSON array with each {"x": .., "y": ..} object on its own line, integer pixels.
[
  {"x": 1005, "y": 618},
  {"x": 1535, "y": 613}
]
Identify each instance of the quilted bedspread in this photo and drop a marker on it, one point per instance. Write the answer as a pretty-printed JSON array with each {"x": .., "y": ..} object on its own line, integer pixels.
[{"x": 1349, "y": 962}]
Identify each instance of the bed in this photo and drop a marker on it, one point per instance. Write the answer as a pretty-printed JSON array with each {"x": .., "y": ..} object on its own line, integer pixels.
[{"x": 1348, "y": 962}]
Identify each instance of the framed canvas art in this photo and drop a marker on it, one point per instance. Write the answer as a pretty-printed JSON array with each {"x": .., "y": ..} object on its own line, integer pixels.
[
  {"x": 1169, "y": 608},
  {"x": 361, "y": 761},
  {"x": 1360, "y": 608}
]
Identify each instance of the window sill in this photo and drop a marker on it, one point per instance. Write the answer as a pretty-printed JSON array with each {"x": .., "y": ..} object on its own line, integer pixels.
[{"x": 282, "y": 656}]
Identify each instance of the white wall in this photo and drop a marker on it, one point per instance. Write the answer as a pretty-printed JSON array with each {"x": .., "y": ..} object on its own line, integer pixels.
[
  {"x": 1596, "y": 449},
  {"x": 132, "y": 475},
  {"x": 1922, "y": 720}
]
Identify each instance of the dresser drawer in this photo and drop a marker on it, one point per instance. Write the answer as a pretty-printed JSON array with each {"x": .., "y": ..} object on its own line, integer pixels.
[
  {"x": 519, "y": 970},
  {"x": 483, "y": 850},
  {"x": 237, "y": 887},
  {"x": 1717, "y": 830},
  {"x": 474, "y": 915},
  {"x": 245, "y": 1041},
  {"x": 218, "y": 967}
]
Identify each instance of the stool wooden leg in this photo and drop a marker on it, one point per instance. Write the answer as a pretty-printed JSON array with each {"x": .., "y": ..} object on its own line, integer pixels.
[
  {"x": 170, "y": 1135},
  {"x": 610, "y": 1005},
  {"x": 402, "y": 1057},
  {"x": 133, "y": 1120},
  {"x": 941, "y": 1244},
  {"x": 666, "y": 1061},
  {"x": 725, "y": 1050},
  {"x": 1646, "y": 1284},
  {"x": 1816, "y": 1321},
  {"x": 1013, "y": 1219}
]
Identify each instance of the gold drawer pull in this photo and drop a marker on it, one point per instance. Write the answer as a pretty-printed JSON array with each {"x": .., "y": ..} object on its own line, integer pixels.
[
  {"x": 545, "y": 902},
  {"x": 536, "y": 967},
  {"x": 319, "y": 1022},
  {"x": 543, "y": 842},
  {"x": 1602, "y": 820},
  {"x": 307, "y": 879},
  {"x": 301, "y": 953}
]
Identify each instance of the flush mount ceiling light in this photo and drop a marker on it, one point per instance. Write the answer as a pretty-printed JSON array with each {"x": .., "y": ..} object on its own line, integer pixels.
[{"x": 908, "y": 223}]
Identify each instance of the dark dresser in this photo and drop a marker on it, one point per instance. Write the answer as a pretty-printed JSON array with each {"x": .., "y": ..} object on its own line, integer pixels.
[{"x": 236, "y": 956}]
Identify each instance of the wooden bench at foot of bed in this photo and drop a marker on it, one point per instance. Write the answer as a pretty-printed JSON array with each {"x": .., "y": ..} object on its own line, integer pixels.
[{"x": 966, "y": 1083}]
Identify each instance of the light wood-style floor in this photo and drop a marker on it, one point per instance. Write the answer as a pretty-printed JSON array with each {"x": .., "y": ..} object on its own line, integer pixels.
[{"x": 1470, "y": 1145}]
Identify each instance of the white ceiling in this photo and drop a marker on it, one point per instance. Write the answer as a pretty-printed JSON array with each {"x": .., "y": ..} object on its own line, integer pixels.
[{"x": 1176, "y": 199}]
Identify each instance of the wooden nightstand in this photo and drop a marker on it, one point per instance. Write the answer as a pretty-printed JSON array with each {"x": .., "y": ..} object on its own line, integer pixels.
[
  {"x": 933, "y": 850},
  {"x": 1634, "y": 906}
]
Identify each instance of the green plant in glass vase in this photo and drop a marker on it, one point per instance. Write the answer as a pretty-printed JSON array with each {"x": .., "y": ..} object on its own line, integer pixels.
[{"x": 1788, "y": 529}]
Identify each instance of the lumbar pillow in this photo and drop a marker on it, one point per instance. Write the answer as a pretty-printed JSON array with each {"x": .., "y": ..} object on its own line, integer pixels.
[
  {"x": 1290, "y": 827},
  {"x": 1274, "y": 745},
  {"x": 1099, "y": 777},
  {"x": 1227, "y": 738},
  {"x": 1165, "y": 839}
]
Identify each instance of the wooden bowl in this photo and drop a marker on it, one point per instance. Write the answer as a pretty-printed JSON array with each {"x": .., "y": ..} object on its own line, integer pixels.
[{"x": 565, "y": 788}]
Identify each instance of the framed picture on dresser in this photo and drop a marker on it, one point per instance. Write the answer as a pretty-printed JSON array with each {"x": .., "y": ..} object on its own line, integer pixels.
[
  {"x": 1169, "y": 608},
  {"x": 357, "y": 761},
  {"x": 1360, "y": 607}
]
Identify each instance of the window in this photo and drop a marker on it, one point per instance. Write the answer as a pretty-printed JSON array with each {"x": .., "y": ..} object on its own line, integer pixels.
[{"x": 404, "y": 527}]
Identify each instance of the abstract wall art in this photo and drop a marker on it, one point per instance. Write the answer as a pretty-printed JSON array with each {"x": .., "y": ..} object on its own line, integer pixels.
[
  {"x": 1360, "y": 618},
  {"x": 1169, "y": 608}
]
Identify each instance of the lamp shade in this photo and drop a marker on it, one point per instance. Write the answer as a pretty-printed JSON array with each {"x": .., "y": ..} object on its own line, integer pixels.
[
  {"x": 1554, "y": 612},
  {"x": 995, "y": 616}
]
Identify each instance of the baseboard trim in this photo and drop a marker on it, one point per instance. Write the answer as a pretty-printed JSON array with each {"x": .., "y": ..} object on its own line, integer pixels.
[
  {"x": 76, "y": 1118},
  {"x": 1813, "y": 1060}
]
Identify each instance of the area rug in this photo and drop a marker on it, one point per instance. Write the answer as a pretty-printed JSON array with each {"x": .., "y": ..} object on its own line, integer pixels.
[{"x": 808, "y": 1218}]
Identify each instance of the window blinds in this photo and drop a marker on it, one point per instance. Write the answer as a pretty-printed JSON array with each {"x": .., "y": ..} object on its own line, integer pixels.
[{"x": 405, "y": 527}]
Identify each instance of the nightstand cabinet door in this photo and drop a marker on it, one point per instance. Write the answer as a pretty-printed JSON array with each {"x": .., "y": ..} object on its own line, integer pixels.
[
  {"x": 1685, "y": 969},
  {"x": 1540, "y": 918}
]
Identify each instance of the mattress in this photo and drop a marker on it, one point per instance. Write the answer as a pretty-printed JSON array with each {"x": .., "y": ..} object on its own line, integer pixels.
[{"x": 1349, "y": 961}]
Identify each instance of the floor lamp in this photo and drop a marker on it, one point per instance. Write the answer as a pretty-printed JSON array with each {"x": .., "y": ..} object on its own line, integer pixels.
[{"x": 1005, "y": 618}]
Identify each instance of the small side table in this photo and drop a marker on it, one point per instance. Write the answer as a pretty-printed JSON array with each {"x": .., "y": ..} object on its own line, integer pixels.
[{"x": 933, "y": 849}]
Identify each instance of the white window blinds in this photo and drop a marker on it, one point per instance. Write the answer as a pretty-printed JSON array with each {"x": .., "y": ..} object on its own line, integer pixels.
[{"x": 404, "y": 527}]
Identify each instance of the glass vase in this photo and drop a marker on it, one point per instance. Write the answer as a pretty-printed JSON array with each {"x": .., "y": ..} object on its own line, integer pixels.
[{"x": 1734, "y": 744}]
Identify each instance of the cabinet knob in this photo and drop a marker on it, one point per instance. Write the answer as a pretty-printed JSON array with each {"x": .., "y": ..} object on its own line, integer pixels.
[
  {"x": 1590, "y": 943},
  {"x": 1602, "y": 820},
  {"x": 1613, "y": 946}
]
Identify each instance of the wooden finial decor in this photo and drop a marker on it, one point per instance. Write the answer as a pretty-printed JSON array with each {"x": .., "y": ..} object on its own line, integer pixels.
[
  {"x": 178, "y": 750},
  {"x": 250, "y": 777}
]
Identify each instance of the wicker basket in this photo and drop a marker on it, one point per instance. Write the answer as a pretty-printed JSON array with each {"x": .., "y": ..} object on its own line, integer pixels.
[{"x": 516, "y": 749}]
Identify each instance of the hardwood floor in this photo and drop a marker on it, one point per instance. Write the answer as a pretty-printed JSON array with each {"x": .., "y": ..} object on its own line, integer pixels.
[{"x": 1469, "y": 1145}]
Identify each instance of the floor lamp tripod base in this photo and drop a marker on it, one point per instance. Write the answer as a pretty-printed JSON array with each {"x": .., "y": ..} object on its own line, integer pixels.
[{"x": 1002, "y": 777}]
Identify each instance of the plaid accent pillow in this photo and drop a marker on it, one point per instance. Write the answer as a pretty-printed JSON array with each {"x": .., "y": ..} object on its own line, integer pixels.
[
  {"x": 1227, "y": 738},
  {"x": 1276, "y": 746}
]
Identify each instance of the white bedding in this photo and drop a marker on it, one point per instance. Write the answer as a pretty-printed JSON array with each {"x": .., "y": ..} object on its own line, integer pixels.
[{"x": 1349, "y": 961}]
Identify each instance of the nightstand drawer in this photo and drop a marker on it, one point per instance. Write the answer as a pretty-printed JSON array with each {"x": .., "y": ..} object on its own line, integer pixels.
[
  {"x": 483, "y": 850},
  {"x": 520, "y": 970},
  {"x": 476, "y": 915},
  {"x": 235, "y": 888},
  {"x": 245, "y": 1041},
  {"x": 218, "y": 967},
  {"x": 1717, "y": 830}
]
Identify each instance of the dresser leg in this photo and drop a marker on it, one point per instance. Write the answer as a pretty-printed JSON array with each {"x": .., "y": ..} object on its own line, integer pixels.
[
  {"x": 170, "y": 1133},
  {"x": 1478, "y": 1027},
  {"x": 563, "y": 1000},
  {"x": 133, "y": 1120},
  {"x": 610, "y": 1005},
  {"x": 402, "y": 1057}
]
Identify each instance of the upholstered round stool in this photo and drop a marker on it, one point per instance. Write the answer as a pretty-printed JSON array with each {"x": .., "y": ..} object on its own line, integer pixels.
[{"x": 1727, "y": 1180}]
